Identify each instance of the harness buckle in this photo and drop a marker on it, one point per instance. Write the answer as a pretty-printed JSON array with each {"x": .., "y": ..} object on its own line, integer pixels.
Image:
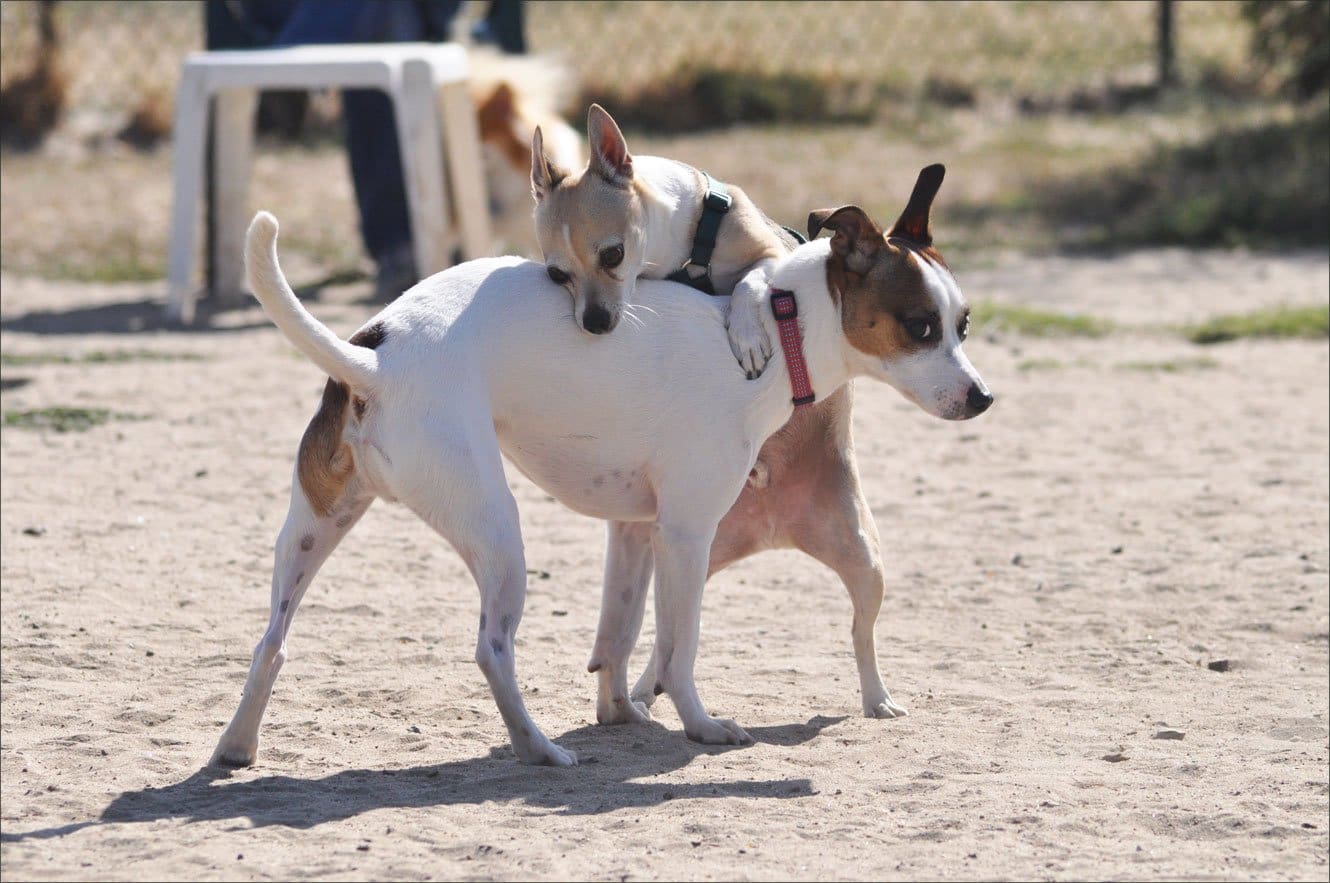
[
  {"x": 717, "y": 200},
  {"x": 783, "y": 305}
]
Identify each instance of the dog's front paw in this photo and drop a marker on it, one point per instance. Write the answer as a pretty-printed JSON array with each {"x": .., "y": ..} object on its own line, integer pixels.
[
  {"x": 718, "y": 731},
  {"x": 622, "y": 710},
  {"x": 748, "y": 338},
  {"x": 885, "y": 709}
]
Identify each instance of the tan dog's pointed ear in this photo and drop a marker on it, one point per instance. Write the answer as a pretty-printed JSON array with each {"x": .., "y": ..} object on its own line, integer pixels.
[
  {"x": 609, "y": 151},
  {"x": 914, "y": 222},
  {"x": 545, "y": 175},
  {"x": 855, "y": 237}
]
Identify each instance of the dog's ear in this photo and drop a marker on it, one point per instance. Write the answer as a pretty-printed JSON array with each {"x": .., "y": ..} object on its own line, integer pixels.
[
  {"x": 855, "y": 237},
  {"x": 545, "y": 175},
  {"x": 913, "y": 223},
  {"x": 609, "y": 152}
]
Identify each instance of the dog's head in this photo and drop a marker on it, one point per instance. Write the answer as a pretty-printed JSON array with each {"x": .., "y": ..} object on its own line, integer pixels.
[
  {"x": 902, "y": 313},
  {"x": 591, "y": 225}
]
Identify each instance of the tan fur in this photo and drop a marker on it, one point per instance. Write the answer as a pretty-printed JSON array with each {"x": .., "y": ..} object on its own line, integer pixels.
[
  {"x": 325, "y": 463},
  {"x": 745, "y": 237},
  {"x": 495, "y": 116}
]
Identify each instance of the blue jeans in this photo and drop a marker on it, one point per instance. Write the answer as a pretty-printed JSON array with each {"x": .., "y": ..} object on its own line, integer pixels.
[{"x": 371, "y": 133}]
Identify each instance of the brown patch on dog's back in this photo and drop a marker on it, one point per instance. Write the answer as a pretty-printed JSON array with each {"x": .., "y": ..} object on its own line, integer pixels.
[
  {"x": 875, "y": 305},
  {"x": 325, "y": 463}
]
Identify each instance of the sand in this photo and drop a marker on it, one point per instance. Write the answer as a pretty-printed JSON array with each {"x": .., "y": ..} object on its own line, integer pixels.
[{"x": 1062, "y": 574}]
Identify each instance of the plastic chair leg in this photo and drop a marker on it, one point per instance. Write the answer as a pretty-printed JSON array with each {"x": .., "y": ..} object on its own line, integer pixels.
[
  {"x": 234, "y": 146},
  {"x": 191, "y": 119},
  {"x": 461, "y": 138}
]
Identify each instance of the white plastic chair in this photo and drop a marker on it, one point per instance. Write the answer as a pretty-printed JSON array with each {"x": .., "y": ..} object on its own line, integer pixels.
[{"x": 427, "y": 85}]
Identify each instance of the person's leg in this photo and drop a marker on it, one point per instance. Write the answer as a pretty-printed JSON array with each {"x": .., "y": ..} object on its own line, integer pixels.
[
  {"x": 371, "y": 134},
  {"x": 503, "y": 26}
]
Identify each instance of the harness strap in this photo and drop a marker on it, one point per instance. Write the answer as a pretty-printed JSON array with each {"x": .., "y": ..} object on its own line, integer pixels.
[
  {"x": 786, "y": 311},
  {"x": 714, "y": 206}
]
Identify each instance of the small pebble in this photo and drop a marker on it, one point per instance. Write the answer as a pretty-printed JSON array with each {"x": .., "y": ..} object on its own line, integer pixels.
[
  {"x": 1114, "y": 758},
  {"x": 1220, "y": 665},
  {"x": 35, "y": 531},
  {"x": 1169, "y": 734}
]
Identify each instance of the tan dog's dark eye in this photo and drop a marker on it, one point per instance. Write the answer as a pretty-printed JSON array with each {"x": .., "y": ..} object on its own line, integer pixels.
[
  {"x": 611, "y": 256},
  {"x": 557, "y": 276},
  {"x": 920, "y": 329}
]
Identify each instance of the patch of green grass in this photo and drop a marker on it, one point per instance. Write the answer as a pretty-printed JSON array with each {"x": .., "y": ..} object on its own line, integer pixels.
[
  {"x": 1256, "y": 184},
  {"x": 1171, "y": 366},
  {"x": 1041, "y": 365},
  {"x": 62, "y": 419},
  {"x": 1304, "y": 322},
  {"x": 96, "y": 357},
  {"x": 1038, "y": 323}
]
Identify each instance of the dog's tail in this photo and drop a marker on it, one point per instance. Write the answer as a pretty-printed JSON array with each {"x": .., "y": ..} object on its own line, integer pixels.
[{"x": 353, "y": 365}]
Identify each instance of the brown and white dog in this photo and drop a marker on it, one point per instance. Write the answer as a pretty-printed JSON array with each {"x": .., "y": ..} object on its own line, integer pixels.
[
  {"x": 804, "y": 491},
  {"x": 649, "y": 428},
  {"x": 515, "y": 95}
]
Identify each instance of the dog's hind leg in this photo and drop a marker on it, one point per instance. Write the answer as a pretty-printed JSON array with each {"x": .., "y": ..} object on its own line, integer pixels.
[
  {"x": 844, "y": 537},
  {"x": 628, "y": 565},
  {"x": 471, "y": 506},
  {"x": 305, "y": 541}
]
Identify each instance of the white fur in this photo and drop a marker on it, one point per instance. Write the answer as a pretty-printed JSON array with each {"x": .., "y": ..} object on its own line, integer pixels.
[{"x": 650, "y": 425}]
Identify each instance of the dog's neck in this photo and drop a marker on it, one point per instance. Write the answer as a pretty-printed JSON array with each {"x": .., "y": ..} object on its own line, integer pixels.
[
  {"x": 672, "y": 195},
  {"x": 804, "y": 272}
]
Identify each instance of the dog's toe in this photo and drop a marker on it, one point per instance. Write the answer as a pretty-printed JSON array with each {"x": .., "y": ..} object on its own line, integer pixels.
[
  {"x": 719, "y": 731},
  {"x": 556, "y": 756},
  {"x": 233, "y": 755},
  {"x": 623, "y": 711},
  {"x": 887, "y": 709}
]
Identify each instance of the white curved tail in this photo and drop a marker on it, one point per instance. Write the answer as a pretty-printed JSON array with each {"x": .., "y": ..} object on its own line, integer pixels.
[{"x": 355, "y": 366}]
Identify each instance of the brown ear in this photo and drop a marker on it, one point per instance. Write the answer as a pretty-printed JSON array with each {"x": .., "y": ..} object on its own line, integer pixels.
[
  {"x": 545, "y": 175},
  {"x": 855, "y": 236},
  {"x": 609, "y": 151},
  {"x": 913, "y": 223}
]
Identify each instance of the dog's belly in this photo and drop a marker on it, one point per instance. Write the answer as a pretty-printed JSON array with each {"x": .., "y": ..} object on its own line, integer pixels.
[{"x": 583, "y": 475}]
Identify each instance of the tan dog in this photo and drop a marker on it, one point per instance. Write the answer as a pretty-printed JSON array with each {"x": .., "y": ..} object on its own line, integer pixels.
[{"x": 624, "y": 216}]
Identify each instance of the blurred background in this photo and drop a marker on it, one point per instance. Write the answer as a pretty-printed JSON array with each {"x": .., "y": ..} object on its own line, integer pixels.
[{"x": 1065, "y": 126}]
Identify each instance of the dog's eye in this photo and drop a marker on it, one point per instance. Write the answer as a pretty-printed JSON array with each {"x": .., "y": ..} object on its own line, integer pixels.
[
  {"x": 557, "y": 276},
  {"x": 611, "y": 256},
  {"x": 964, "y": 330},
  {"x": 920, "y": 329}
]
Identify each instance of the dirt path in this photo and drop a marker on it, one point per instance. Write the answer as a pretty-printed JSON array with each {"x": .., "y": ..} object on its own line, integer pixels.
[{"x": 1061, "y": 573}]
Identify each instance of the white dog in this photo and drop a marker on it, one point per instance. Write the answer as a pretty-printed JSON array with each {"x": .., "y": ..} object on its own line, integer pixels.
[{"x": 651, "y": 424}]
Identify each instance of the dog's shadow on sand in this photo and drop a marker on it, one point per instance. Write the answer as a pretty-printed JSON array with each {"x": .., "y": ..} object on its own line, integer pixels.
[{"x": 612, "y": 761}]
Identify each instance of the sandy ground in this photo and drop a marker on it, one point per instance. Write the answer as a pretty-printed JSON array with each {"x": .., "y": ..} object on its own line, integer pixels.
[{"x": 1061, "y": 573}]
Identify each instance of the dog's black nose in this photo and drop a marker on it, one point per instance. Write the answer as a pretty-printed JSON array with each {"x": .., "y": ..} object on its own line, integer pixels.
[
  {"x": 978, "y": 399},
  {"x": 597, "y": 319}
]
